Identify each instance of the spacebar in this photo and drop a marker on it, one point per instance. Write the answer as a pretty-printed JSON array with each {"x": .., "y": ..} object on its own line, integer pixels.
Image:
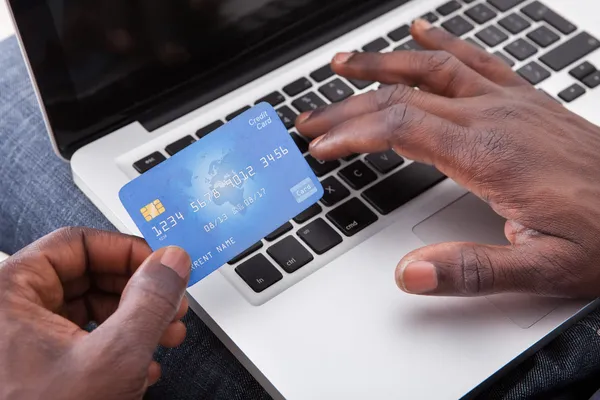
[{"x": 402, "y": 186}]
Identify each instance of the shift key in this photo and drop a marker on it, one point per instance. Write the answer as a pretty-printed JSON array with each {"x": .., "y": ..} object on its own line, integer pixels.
[{"x": 570, "y": 51}]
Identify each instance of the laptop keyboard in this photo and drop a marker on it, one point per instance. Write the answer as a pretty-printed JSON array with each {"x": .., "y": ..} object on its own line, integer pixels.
[{"x": 361, "y": 189}]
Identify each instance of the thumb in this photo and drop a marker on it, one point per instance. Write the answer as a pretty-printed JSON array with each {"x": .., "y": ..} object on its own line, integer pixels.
[
  {"x": 150, "y": 300},
  {"x": 470, "y": 269}
]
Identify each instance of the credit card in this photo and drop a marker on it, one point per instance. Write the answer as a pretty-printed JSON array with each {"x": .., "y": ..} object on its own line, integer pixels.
[{"x": 225, "y": 192}]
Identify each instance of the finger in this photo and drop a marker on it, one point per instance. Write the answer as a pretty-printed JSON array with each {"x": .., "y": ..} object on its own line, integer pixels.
[
  {"x": 149, "y": 303},
  {"x": 440, "y": 72},
  {"x": 479, "y": 60},
  {"x": 183, "y": 309},
  {"x": 174, "y": 335},
  {"x": 154, "y": 373},
  {"x": 110, "y": 283},
  {"x": 470, "y": 269},
  {"x": 96, "y": 307},
  {"x": 321, "y": 120},
  {"x": 408, "y": 130},
  {"x": 67, "y": 255}
]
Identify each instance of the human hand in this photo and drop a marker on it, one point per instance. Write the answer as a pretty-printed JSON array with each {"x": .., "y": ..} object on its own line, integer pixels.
[
  {"x": 536, "y": 163},
  {"x": 51, "y": 289}
]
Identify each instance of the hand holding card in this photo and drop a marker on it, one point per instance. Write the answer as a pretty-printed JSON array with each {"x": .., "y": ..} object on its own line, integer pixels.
[{"x": 225, "y": 192}]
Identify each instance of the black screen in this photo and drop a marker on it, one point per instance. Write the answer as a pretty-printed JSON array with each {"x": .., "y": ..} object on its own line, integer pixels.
[{"x": 100, "y": 64}]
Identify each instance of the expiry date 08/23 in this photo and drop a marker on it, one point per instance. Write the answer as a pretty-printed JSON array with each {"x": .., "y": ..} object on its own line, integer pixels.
[{"x": 240, "y": 207}]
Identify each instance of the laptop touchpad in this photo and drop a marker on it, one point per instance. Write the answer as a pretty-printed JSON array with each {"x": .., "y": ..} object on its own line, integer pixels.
[{"x": 469, "y": 219}]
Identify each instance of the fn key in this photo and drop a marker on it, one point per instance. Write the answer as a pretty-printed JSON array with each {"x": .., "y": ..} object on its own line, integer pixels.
[{"x": 259, "y": 273}]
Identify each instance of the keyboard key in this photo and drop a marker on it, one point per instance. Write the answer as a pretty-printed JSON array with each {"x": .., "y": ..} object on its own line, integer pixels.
[
  {"x": 287, "y": 116},
  {"x": 320, "y": 167},
  {"x": 357, "y": 175},
  {"x": 570, "y": 51},
  {"x": 290, "y": 254},
  {"x": 259, "y": 273},
  {"x": 534, "y": 73},
  {"x": 521, "y": 49},
  {"x": 430, "y": 17},
  {"x": 503, "y": 5},
  {"x": 384, "y": 162},
  {"x": 308, "y": 102},
  {"x": 208, "y": 129},
  {"x": 480, "y": 13},
  {"x": 543, "y": 36},
  {"x": 307, "y": 214},
  {"x": 592, "y": 80},
  {"x": 514, "y": 23},
  {"x": 458, "y": 26},
  {"x": 448, "y": 8},
  {"x": 352, "y": 217},
  {"x": 322, "y": 73},
  {"x": 277, "y": 233},
  {"x": 319, "y": 236},
  {"x": 334, "y": 191},
  {"x": 376, "y": 45},
  {"x": 410, "y": 45},
  {"x": 582, "y": 70},
  {"x": 474, "y": 42},
  {"x": 492, "y": 36},
  {"x": 236, "y": 113},
  {"x": 505, "y": 58},
  {"x": 400, "y": 33},
  {"x": 539, "y": 12},
  {"x": 360, "y": 84},
  {"x": 179, "y": 145},
  {"x": 351, "y": 157},
  {"x": 246, "y": 253},
  {"x": 148, "y": 162},
  {"x": 297, "y": 87},
  {"x": 336, "y": 90},
  {"x": 300, "y": 142},
  {"x": 572, "y": 92},
  {"x": 402, "y": 186},
  {"x": 273, "y": 99}
]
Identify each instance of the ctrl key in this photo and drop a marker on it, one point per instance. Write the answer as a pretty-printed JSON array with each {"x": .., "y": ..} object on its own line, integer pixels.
[{"x": 259, "y": 273}]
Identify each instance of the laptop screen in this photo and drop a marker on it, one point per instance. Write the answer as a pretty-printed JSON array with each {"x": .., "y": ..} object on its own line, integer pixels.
[{"x": 102, "y": 64}]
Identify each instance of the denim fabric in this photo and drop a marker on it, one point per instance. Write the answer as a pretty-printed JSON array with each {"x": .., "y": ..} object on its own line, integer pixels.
[{"x": 37, "y": 196}]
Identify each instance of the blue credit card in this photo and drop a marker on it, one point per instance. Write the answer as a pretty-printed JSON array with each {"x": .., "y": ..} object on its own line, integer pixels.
[{"x": 225, "y": 192}]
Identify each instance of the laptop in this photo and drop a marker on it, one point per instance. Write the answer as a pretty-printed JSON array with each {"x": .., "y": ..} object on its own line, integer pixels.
[{"x": 124, "y": 85}]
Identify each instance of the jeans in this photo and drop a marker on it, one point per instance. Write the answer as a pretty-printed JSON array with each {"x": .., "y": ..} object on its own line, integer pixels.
[{"x": 37, "y": 196}]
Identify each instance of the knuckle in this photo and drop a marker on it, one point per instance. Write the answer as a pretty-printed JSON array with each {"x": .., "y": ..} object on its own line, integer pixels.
[
  {"x": 394, "y": 94},
  {"x": 440, "y": 60},
  {"x": 477, "y": 273}
]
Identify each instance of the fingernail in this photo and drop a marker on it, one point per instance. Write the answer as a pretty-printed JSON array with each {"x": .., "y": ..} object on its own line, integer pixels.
[
  {"x": 419, "y": 277},
  {"x": 341, "y": 58},
  {"x": 422, "y": 24},
  {"x": 177, "y": 259},
  {"x": 303, "y": 117},
  {"x": 315, "y": 142}
]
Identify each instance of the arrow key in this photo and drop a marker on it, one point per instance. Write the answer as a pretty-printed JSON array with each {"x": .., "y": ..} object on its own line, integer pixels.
[
  {"x": 385, "y": 162},
  {"x": 334, "y": 191}
]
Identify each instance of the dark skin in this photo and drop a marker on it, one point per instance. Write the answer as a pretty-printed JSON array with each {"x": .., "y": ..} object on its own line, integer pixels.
[
  {"x": 536, "y": 163},
  {"x": 533, "y": 161},
  {"x": 51, "y": 289}
]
